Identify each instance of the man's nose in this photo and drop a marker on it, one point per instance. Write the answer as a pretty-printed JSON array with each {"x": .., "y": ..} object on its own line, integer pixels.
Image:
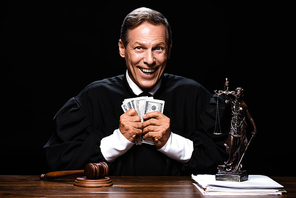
[{"x": 149, "y": 58}]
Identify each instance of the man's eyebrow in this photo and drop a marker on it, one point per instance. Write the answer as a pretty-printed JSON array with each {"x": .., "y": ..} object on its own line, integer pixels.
[
  {"x": 161, "y": 43},
  {"x": 156, "y": 44},
  {"x": 138, "y": 43}
]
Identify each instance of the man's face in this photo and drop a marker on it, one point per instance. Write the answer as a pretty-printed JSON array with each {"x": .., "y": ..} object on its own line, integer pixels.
[{"x": 145, "y": 54}]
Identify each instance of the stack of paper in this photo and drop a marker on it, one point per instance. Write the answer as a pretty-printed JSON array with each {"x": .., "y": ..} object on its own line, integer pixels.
[{"x": 255, "y": 185}]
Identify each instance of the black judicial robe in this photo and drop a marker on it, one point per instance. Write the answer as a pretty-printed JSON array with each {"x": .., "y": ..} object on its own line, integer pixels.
[{"x": 94, "y": 114}]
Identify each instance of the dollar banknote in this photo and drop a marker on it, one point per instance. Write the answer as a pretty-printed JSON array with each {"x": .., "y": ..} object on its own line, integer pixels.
[{"x": 154, "y": 105}]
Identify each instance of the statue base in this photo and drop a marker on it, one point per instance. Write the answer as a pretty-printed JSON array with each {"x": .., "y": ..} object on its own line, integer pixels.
[{"x": 230, "y": 175}]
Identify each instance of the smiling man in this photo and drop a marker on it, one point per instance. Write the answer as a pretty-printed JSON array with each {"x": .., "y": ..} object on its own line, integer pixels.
[
  {"x": 87, "y": 128},
  {"x": 146, "y": 54}
]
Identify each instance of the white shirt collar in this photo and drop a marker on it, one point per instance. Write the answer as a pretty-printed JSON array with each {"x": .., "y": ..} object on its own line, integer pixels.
[{"x": 137, "y": 90}]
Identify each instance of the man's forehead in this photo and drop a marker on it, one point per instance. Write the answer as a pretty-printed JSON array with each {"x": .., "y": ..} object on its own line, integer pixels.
[{"x": 147, "y": 32}]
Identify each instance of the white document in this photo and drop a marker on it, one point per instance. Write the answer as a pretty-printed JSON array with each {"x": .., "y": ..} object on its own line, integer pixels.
[{"x": 255, "y": 185}]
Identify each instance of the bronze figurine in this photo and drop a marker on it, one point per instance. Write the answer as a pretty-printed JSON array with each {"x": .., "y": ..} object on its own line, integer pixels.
[{"x": 237, "y": 142}]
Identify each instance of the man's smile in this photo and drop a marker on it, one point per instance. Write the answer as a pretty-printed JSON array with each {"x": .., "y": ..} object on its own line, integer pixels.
[{"x": 147, "y": 71}]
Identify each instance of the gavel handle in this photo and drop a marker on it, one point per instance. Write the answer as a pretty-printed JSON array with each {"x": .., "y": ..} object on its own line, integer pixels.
[{"x": 58, "y": 174}]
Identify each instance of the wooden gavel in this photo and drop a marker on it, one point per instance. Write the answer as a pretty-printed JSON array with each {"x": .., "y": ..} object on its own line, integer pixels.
[{"x": 91, "y": 171}]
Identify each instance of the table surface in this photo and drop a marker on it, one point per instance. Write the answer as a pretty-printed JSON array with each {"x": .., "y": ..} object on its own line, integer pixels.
[{"x": 123, "y": 186}]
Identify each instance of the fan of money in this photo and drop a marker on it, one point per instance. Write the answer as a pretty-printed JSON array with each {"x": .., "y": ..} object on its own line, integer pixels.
[
  {"x": 95, "y": 175},
  {"x": 143, "y": 105}
]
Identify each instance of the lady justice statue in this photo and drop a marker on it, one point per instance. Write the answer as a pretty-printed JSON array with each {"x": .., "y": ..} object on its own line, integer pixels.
[{"x": 237, "y": 142}]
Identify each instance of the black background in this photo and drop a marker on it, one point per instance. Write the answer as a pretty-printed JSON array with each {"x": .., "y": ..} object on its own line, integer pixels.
[{"x": 51, "y": 50}]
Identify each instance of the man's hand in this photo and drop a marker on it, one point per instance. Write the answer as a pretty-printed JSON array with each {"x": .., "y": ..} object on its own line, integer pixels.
[
  {"x": 130, "y": 125},
  {"x": 158, "y": 127}
]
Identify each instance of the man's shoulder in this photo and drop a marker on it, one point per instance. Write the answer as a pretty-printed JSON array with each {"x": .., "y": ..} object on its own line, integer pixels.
[
  {"x": 182, "y": 82},
  {"x": 106, "y": 83}
]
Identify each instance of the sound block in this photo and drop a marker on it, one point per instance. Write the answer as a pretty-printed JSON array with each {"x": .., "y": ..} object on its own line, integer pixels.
[{"x": 93, "y": 183}]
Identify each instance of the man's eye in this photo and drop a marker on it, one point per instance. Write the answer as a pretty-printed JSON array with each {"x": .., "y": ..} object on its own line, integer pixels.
[
  {"x": 138, "y": 48},
  {"x": 159, "y": 48}
]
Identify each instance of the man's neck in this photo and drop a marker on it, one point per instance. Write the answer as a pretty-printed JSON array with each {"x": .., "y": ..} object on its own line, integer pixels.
[{"x": 137, "y": 90}]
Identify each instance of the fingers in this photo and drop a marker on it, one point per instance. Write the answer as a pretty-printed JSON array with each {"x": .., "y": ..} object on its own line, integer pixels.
[
  {"x": 130, "y": 125},
  {"x": 158, "y": 119},
  {"x": 159, "y": 138},
  {"x": 150, "y": 128},
  {"x": 131, "y": 115},
  {"x": 158, "y": 128},
  {"x": 131, "y": 112},
  {"x": 153, "y": 134},
  {"x": 151, "y": 121},
  {"x": 152, "y": 114},
  {"x": 126, "y": 125}
]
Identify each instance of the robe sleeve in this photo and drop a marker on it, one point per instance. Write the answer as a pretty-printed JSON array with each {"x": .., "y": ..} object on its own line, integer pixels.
[
  {"x": 209, "y": 150},
  {"x": 74, "y": 142}
]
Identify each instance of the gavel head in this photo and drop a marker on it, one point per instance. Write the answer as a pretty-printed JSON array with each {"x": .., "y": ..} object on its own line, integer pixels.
[{"x": 96, "y": 170}]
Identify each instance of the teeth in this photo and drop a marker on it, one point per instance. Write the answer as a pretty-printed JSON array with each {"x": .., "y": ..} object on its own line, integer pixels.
[{"x": 147, "y": 70}]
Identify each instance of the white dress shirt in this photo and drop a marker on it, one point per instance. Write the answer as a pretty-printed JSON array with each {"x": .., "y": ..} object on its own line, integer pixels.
[{"x": 115, "y": 145}]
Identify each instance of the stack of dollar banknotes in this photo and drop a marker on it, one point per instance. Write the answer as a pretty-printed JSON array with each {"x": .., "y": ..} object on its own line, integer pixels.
[{"x": 143, "y": 105}]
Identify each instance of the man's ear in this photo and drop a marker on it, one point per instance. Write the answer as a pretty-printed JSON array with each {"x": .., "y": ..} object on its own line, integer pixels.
[
  {"x": 121, "y": 48},
  {"x": 169, "y": 50}
]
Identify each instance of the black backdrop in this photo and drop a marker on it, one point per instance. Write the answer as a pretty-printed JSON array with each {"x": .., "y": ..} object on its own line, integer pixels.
[{"x": 51, "y": 51}]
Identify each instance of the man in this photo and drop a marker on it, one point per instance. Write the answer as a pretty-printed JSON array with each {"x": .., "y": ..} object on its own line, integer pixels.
[{"x": 87, "y": 128}]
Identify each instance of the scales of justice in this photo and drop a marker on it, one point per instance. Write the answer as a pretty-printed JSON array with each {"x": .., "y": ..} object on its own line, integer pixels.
[{"x": 237, "y": 143}]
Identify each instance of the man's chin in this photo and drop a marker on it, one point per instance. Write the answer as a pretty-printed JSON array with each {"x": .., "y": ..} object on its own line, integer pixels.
[{"x": 147, "y": 85}]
